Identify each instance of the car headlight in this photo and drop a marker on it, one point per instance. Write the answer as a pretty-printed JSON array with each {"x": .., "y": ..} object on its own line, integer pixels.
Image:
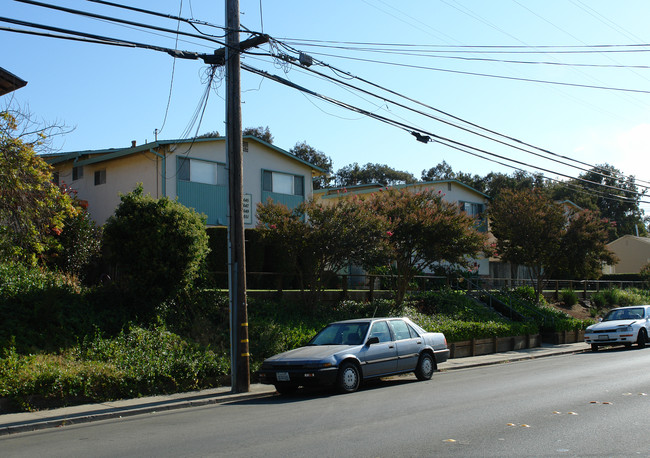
[{"x": 628, "y": 328}]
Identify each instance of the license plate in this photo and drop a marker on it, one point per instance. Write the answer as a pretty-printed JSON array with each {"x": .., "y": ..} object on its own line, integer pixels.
[
  {"x": 603, "y": 337},
  {"x": 282, "y": 376}
]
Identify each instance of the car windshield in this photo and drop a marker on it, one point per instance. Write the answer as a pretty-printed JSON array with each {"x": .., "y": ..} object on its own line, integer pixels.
[
  {"x": 624, "y": 314},
  {"x": 341, "y": 334}
]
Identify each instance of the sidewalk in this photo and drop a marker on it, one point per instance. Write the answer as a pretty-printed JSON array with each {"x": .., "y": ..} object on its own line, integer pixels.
[{"x": 31, "y": 421}]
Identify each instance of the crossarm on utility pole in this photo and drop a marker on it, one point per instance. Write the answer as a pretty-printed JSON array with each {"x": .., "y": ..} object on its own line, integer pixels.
[{"x": 218, "y": 58}]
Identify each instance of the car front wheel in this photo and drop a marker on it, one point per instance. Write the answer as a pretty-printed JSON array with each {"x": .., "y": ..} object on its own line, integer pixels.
[
  {"x": 425, "y": 367},
  {"x": 349, "y": 378},
  {"x": 642, "y": 339},
  {"x": 285, "y": 388},
  {"x": 594, "y": 347}
]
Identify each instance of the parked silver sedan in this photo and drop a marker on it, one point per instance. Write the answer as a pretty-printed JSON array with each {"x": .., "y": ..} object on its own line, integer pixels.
[
  {"x": 621, "y": 326},
  {"x": 346, "y": 352}
]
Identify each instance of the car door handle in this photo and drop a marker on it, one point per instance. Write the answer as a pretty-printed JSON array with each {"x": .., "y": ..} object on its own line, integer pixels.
[
  {"x": 391, "y": 346},
  {"x": 419, "y": 342}
]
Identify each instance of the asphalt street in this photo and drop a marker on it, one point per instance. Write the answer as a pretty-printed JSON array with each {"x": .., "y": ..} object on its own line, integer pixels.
[{"x": 574, "y": 404}]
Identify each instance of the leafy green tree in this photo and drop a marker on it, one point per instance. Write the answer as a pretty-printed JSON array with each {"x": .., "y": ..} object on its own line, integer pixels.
[
  {"x": 263, "y": 133},
  {"x": 354, "y": 174},
  {"x": 318, "y": 158},
  {"x": 214, "y": 133},
  {"x": 156, "y": 245},
  {"x": 534, "y": 231},
  {"x": 443, "y": 171},
  {"x": 494, "y": 183},
  {"x": 323, "y": 238},
  {"x": 80, "y": 241},
  {"x": 32, "y": 208},
  {"x": 645, "y": 274},
  {"x": 424, "y": 231},
  {"x": 615, "y": 195},
  {"x": 583, "y": 248}
]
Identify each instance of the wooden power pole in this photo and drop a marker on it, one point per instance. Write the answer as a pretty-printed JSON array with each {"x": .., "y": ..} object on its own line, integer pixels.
[{"x": 239, "y": 356}]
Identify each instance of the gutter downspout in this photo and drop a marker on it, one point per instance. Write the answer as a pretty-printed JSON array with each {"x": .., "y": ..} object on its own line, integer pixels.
[{"x": 164, "y": 170}]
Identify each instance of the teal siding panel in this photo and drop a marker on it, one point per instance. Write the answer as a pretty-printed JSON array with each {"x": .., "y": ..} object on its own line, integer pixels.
[
  {"x": 286, "y": 199},
  {"x": 209, "y": 199}
]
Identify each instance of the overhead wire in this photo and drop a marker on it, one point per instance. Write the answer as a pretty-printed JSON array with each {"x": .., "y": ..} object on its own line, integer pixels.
[
  {"x": 461, "y": 127},
  {"x": 410, "y": 129},
  {"x": 492, "y": 132},
  {"x": 112, "y": 41},
  {"x": 121, "y": 21}
]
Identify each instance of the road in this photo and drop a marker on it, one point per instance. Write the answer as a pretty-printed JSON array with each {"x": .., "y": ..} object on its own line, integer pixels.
[{"x": 575, "y": 405}]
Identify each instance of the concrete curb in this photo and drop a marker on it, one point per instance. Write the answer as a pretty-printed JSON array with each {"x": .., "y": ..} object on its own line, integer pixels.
[
  {"x": 97, "y": 414},
  {"x": 514, "y": 358}
]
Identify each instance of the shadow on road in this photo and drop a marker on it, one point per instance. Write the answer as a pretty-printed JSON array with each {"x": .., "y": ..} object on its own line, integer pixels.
[{"x": 311, "y": 393}]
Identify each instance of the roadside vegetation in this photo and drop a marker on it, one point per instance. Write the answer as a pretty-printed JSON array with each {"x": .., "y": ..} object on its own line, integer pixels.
[{"x": 131, "y": 309}]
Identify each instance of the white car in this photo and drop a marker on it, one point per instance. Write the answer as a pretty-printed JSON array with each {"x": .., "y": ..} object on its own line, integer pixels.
[{"x": 621, "y": 326}]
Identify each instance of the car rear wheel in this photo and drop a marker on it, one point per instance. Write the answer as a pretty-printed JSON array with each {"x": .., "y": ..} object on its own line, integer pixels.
[
  {"x": 425, "y": 368},
  {"x": 594, "y": 347},
  {"x": 642, "y": 339},
  {"x": 349, "y": 378}
]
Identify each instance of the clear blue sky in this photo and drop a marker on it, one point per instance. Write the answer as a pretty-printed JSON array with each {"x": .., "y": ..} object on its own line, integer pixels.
[{"x": 114, "y": 95}]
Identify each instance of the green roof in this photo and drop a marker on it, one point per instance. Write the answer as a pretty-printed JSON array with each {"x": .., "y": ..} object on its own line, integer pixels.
[{"x": 114, "y": 153}]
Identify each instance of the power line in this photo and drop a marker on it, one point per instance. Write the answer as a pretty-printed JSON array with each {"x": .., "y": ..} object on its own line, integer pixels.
[
  {"x": 492, "y": 132},
  {"x": 191, "y": 22},
  {"x": 488, "y": 75},
  {"x": 424, "y": 136},
  {"x": 121, "y": 21}
]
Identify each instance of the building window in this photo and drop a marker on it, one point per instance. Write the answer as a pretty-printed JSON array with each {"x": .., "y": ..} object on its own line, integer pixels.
[
  {"x": 77, "y": 173},
  {"x": 198, "y": 171},
  {"x": 472, "y": 209},
  {"x": 283, "y": 183},
  {"x": 55, "y": 178},
  {"x": 100, "y": 177}
]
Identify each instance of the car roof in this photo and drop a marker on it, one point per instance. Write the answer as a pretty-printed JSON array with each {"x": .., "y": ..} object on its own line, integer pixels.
[
  {"x": 370, "y": 320},
  {"x": 631, "y": 307}
]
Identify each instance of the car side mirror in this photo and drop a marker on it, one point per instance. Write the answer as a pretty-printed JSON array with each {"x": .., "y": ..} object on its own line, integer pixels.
[{"x": 372, "y": 340}]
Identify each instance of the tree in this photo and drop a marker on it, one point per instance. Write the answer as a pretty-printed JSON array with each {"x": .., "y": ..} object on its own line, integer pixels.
[
  {"x": 32, "y": 208},
  {"x": 321, "y": 239},
  {"x": 318, "y": 158},
  {"x": 494, "y": 183},
  {"x": 80, "y": 240},
  {"x": 583, "y": 247},
  {"x": 443, "y": 171},
  {"x": 263, "y": 133},
  {"x": 615, "y": 195},
  {"x": 371, "y": 173},
  {"x": 424, "y": 231},
  {"x": 156, "y": 245},
  {"x": 212, "y": 134},
  {"x": 534, "y": 231}
]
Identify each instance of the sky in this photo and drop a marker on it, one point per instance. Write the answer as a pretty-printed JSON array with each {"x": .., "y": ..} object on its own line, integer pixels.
[{"x": 112, "y": 95}]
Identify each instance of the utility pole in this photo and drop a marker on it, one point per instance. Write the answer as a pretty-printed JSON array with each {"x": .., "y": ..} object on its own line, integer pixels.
[{"x": 239, "y": 356}]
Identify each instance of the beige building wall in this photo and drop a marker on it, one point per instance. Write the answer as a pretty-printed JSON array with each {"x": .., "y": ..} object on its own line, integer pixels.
[
  {"x": 122, "y": 176},
  {"x": 157, "y": 172},
  {"x": 632, "y": 252}
]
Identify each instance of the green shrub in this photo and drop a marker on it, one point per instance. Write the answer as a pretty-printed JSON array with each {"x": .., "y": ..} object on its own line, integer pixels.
[
  {"x": 526, "y": 293},
  {"x": 136, "y": 363},
  {"x": 599, "y": 299},
  {"x": 548, "y": 318},
  {"x": 457, "y": 330},
  {"x": 569, "y": 297},
  {"x": 157, "y": 246}
]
